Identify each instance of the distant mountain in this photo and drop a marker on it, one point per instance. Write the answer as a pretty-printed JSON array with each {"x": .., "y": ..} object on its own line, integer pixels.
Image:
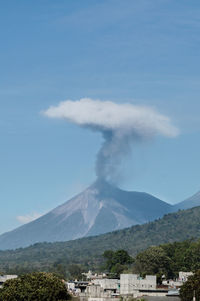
[
  {"x": 193, "y": 201},
  {"x": 179, "y": 226},
  {"x": 99, "y": 209}
]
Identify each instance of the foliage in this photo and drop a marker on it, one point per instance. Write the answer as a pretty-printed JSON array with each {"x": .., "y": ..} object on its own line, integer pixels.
[
  {"x": 169, "y": 259},
  {"x": 34, "y": 287},
  {"x": 190, "y": 287},
  {"x": 154, "y": 261},
  {"x": 75, "y": 271},
  {"x": 117, "y": 261}
]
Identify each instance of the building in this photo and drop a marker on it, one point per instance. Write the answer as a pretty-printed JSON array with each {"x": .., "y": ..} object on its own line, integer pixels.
[
  {"x": 101, "y": 290},
  {"x": 183, "y": 277},
  {"x": 129, "y": 286},
  {"x": 98, "y": 293},
  {"x": 90, "y": 275},
  {"x": 132, "y": 283},
  {"x": 77, "y": 287},
  {"x": 108, "y": 284},
  {"x": 4, "y": 278}
]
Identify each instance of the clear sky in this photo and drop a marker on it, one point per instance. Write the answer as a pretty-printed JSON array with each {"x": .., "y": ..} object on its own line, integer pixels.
[{"x": 141, "y": 52}]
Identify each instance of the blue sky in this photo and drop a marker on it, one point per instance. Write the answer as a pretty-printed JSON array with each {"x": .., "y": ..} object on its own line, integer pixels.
[{"x": 141, "y": 52}]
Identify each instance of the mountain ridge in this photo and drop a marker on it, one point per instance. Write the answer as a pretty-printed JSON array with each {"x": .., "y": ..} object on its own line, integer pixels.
[{"x": 190, "y": 202}]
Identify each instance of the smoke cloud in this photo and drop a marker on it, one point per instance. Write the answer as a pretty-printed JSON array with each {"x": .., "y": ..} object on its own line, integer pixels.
[{"x": 121, "y": 125}]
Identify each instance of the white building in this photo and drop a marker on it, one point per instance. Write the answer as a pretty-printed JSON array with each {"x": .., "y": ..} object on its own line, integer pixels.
[
  {"x": 101, "y": 290},
  {"x": 90, "y": 275},
  {"x": 108, "y": 284},
  {"x": 132, "y": 283},
  {"x": 4, "y": 278},
  {"x": 97, "y": 293},
  {"x": 77, "y": 287},
  {"x": 183, "y": 277}
]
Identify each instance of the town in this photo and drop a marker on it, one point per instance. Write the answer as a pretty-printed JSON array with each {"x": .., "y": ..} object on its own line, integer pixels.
[{"x": 99, "y": 287}]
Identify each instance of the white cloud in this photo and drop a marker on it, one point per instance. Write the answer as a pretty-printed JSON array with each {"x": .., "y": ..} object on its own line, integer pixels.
[
  {"x": 107, "y": 115},
  {"x": 24, "y": 219}
]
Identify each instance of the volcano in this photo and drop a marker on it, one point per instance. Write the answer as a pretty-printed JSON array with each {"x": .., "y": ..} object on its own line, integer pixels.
[
  {"x": 190, "y": 202},
  {"x": 100, "y": 208}
]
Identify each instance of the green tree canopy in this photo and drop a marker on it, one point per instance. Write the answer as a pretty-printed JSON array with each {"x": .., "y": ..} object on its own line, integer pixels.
[
  {"x": 37, "y": 286},
  {"x": 117, "y": 261},
  {"x": 75, "y": 271},
  {"x": 153, "y": 261}
]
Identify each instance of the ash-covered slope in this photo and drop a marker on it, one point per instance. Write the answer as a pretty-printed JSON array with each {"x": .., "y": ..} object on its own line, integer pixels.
[
  {"x": 99, "y": 209},
  {"x": 193, "y": 201}
]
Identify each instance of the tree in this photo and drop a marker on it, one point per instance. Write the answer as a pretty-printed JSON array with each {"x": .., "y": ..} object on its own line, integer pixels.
[
  {"x": 38, "y": 286},
  {"x": 117, "y": 261},
  {"x": 59, "y": 270},
  {"x": 193, "y": 256},
  {"x": 117, "y": 269},
  {"x": 191, "y": 286},
  {"x": 154, "y": 261},
  {"x": 75, "y": 271},
  {"x": 121, "y": 257},
  {"x": 108, "y": 255}
]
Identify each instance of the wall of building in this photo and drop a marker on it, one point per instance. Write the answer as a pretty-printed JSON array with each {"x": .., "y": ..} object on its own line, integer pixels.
[
  {"x": 108, "y": 284},
  {"x": 129, "y": 283},
  {"x": 150, "y": 298}
]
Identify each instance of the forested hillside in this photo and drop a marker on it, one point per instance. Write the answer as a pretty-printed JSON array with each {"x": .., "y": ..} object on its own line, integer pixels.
[{"x": 88, "y": 251}]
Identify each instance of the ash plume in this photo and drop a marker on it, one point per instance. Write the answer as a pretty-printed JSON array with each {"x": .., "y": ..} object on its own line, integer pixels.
[{"x": 121, "y": 125}]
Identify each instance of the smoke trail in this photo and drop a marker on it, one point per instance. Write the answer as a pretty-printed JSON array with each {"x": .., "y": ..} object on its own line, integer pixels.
[{"x": 121, "y": 126}]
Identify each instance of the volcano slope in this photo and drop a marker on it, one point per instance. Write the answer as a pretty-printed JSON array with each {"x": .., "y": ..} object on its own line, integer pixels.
[{"x": 99, "y": 209}]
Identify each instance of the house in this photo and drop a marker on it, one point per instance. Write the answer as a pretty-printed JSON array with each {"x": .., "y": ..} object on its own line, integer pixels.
[
  {"x": 112, "y": 285},
  {"x": 183, "y": 277},
  {"x": 98, "y": 293},
  {"x": 90, "y": 275},
  {"x": 131, "y": 283},
  {"x": 77, "y": 287}
]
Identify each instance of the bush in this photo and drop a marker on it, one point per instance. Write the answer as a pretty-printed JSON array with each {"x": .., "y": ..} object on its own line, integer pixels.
[{"x": 34, "y": 287}]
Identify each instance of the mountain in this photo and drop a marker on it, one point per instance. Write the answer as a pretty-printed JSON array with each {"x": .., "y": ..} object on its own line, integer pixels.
[
  {"x": 99, "y": 209},
  {"x": 179, "y": 226},
  {"x": 193, "y": 201}
]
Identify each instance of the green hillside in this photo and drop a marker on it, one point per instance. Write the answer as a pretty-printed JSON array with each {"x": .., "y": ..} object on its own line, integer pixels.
[{"x": 178, "y": 226}]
